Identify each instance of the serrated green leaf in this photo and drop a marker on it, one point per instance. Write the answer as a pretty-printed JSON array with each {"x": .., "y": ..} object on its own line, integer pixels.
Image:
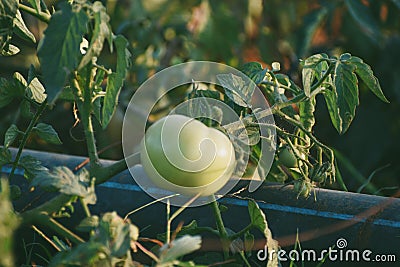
[
  {"x": 312, "y": 69},
  {"x": 37, "y": 91},
  {"x": 101, "y": 31},
  {"x": 58, "y": 51},
  {"x": 115, "y": 80},
  {"x": 364, "y": 18},
  {"x": 257, "y": 217},
  {"x": 366, "y": 74},
  {"x": 47, "y": 133},
  {"x": 259, "y": 220},
  {"x": 10, "y": 135},
  {"x": 85, "y": 254},
  {"x": 21, "y": 30},
  {"x": 10, "y": 50},
  {"x": 35, "y": 4},
  {"x": 179, "y": 247},
  {"x": 20, "y": 78},
  {"x": 88, "y": 224},
  {"x": 67, "y": 94},
  {"x": 116, "y": 233},
  {"x": 254, "y": 71},
  {"x": 346, "y": 89},
  {"x": 10, "y": 89},
  {"x": 25, "y": 108},
  {"x": 65, "y": 181},
  {"x": 32, "y": 167},
  {"x": 237, "y": 89},
  {"x": 8, "y": 11},
  {"x": 331, "y": 103}
]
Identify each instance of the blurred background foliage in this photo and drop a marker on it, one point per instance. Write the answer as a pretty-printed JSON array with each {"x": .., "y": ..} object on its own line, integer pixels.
[{"x": 167, "y": 32}]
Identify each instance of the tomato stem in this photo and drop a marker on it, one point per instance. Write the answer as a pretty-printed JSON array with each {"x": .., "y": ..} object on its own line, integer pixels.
[{"x": 221, "y": 227}]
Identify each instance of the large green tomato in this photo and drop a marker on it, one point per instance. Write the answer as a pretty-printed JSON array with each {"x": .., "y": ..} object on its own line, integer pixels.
[{"x": 183, "y": 155}]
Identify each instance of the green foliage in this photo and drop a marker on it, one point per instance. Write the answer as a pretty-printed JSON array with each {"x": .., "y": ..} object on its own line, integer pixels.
[
  {"x": 58, "y": 51},
  {"x": 109, "y": 246},
  {"x": 47, "y": 133},
  {"x": 63, "y": 180},
  {"x": 115, "y": 80},
  {"x": 8, "y": 11}
]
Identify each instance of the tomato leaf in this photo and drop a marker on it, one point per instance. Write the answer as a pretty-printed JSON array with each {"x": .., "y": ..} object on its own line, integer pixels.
[
  {"x": 101, "y": 31},
  {"x": 20, "y": 78},
  {"x": 21, "y": 30},
  {"x": 37, "y": 91},
  {"x": 35, "y": 4},
  {"x": 65, "y": 181},
  {"x": 179, "y": 247},
  {"x": 88, "y": 224},
  {"x": 237, "y": 89},
  {"x": 346, "y": 89},
  {"x": 110, "y": 242},
  {"x": 32, "y": 167},
  {"x": 254, "y": 71},
  {"x": 10, "y": 135},
  {"x": 8, "y": 11},
  {"x": 259, "y": 220},
  {"x": 115, "y": 80},
  {"x": 47, "y": 133},
  {"x": 10, "y": 89},
  {"x": 58, "y": 51},
  {"x": 312, "y": 68},
  {"x": 366, "y": 74},
  {"x": 331, "y": 103}
]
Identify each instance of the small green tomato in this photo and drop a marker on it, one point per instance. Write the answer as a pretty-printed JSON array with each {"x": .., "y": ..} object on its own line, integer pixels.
[
  {"x": 183, "y": 155},
  {"x": 287, "y": 157},
  {"x": 302, "y": 188}
]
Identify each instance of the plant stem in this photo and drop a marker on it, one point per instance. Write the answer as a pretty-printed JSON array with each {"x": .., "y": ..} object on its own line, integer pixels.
[
  {"x": 241, "y": 232},
  {"x": 40, "y": 15},
  {"x": 60, "y": 229},
  {"x": 48, "y": 208},
  {"x": 46, "y": 238},
  {"x": 323, "y": 78},
  {"x": 26, "y": 135},
  {"x": 85, "y": 207},
  {"x": 102, "y": 174},
  {"x": 85, "y": 109},
  {"x": 221, "y": 227}
]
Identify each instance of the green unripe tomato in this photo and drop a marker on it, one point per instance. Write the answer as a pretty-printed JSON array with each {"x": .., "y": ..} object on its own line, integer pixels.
[
  {"x": 302, "y": 188},
  {"x": 287, "y": 157},
  {"x": 183, "y": 155}
]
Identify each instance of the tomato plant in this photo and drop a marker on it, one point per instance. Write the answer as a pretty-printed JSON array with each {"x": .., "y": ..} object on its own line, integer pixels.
[{"x": 82, "y": 65}]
